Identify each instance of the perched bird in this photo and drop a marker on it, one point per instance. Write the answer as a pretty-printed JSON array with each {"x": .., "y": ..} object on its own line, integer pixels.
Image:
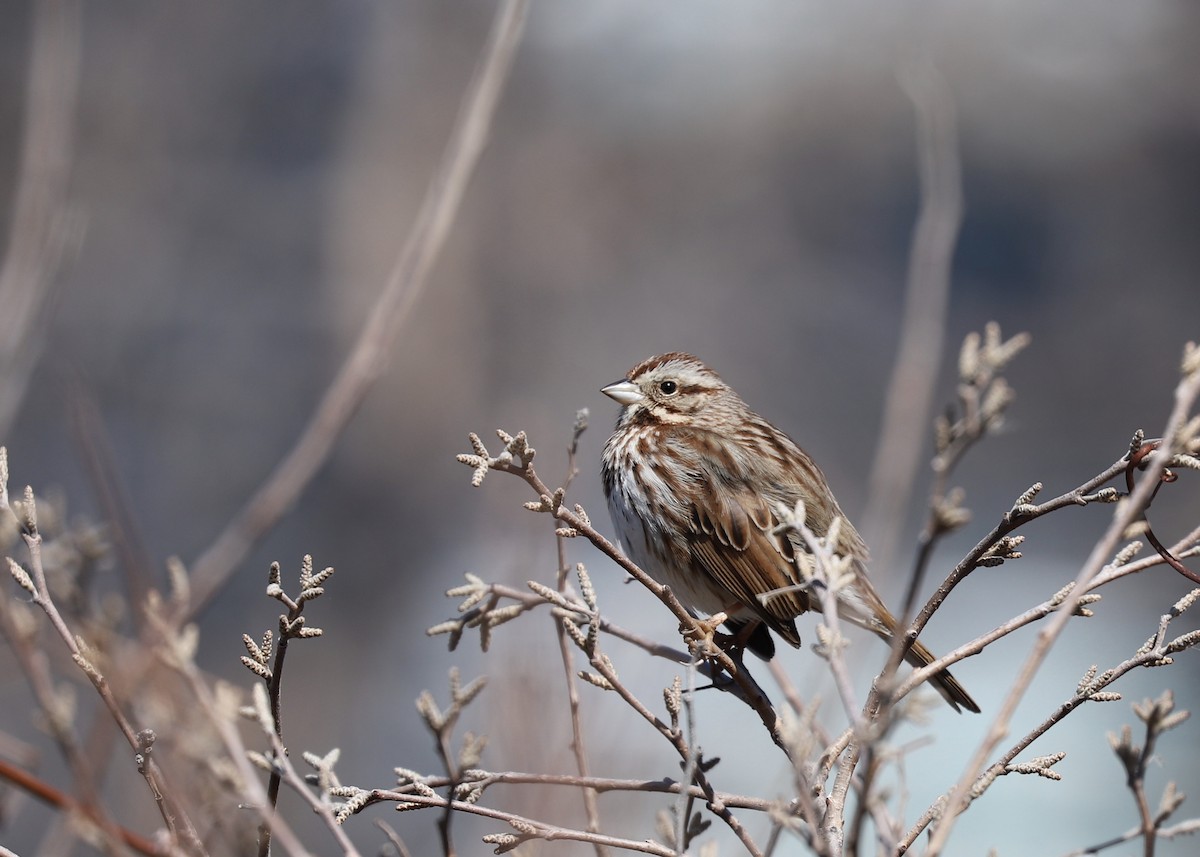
[{"x": 694, "y": 480}]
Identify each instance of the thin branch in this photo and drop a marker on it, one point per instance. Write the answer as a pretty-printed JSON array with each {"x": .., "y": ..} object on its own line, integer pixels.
[
  {"x": 808, "y": 789},
  {"x": 34, "y": 663},
  {"x": 1016, "y": 517},
  {"x": 291, "y": 626},
  {"x": 1046, "y": 608},
  {"x": 393, "y": 838},
  {"x": 1087, "y": 691},
  {"x": 566, "y": 652},
  {"x": 96, "y": 450},
  {"x": 47, "y": 793},
  {"x": 482, "y": 780},
  {"x": 1126, "y": 514},
  {"x": 1190, "y": 827},
  {"x": 829, "y": 573},
  {"x": 682, "y": 746},
  {"x": 321, "y": 808},
  {"x": 528, "y": 828},
  {"x": 34, "y": 581},
  {"x": 254, "y": 794}
]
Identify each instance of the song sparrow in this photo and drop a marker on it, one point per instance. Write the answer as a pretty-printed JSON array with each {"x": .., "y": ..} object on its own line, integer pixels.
[{"x": 694, "y": 479}]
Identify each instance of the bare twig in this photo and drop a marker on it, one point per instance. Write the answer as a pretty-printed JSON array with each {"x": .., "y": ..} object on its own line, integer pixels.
[
  {"x": 1046, "y": 608},
  {"x": 1019, "y": 515},
  {"x": 34, "y": 662},
  {"x": 393, "y": 838},
  {"x": 1190, "y": 827},
  {"x": 688, "y": 753},
  {"x": 221, "y": 719},
  {"x": 527, "y": 828},
  {"x": 98, "y": 456},
  {"x": 291, "y": 626},
  {"x": 517, "y": 459},
  {"x": 1159, "y": 716},
  {"x": 320, "y": 807},
  {"x": 566, "y": 651},
  {"x": 811, "y": 734},
  {"x": 982, "y": 400},
  {"x": 34, "y": 582},
  {"x": 483, "y": 609},
  {"x": 828, "y": 574},
  {"x": 442, "y": 722},
  {"x": 43, "y": 791}
]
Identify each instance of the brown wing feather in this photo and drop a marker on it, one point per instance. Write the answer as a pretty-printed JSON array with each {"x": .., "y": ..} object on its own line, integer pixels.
[{"x": 733, "y": 544}]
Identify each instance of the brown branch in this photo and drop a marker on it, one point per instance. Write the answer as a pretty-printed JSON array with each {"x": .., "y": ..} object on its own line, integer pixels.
[
  {"x": 99, "y": 458},
  {"x": 919, "y": 676},
  {"x": 517, "y": 460},
  {"x": 568, "y": 605},
  {"x": 807, "y": 789},
  {"x": 47, "y": 793},
  {"x": 1137, "y": 460},
  {"x": 687, "y": 752},
  {"x": 291, "y": 626}
]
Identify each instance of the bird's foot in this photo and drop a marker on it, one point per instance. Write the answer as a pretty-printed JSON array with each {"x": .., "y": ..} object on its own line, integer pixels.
[{"x": 703, "y": 638}]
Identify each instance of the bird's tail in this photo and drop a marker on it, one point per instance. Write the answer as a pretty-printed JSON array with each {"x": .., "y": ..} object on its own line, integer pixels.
[
  {"x": 946, "y": 684},
  {"x": 862, "y": 606}
]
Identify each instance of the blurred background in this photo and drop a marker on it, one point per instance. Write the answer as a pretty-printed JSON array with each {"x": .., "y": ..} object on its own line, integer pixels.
[{"x": 735, "y": 180}]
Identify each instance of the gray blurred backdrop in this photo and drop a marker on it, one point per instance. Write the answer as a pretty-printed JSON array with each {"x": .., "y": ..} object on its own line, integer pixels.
[{"x": 736, "y": 180}]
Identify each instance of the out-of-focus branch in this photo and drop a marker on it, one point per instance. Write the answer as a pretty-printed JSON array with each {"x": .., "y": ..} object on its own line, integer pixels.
[
  {"x": 47, "y": 793},
  {"x": 1185, "y": 828},
  {"x": 407, "y": 281},
  {"x": 33, "y": 581},
  {"x": 915, "y": 372},
  {"x": 40, "y": 226}
]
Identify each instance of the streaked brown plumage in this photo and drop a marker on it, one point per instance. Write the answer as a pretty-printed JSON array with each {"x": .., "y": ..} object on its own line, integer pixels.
[{"x": 693, "y": 478}]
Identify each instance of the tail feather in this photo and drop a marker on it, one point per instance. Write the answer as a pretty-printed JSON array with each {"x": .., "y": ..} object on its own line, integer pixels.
[
  {"x": 946, "y": 684},
  {"x": 880, "y": 622}
]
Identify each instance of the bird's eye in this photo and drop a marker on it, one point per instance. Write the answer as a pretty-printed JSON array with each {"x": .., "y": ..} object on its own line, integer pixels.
[{"x": 668, "y": 388}]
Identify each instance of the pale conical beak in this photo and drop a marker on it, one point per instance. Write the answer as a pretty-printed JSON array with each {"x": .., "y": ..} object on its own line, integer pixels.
[{"x": 624, "y": 392}]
